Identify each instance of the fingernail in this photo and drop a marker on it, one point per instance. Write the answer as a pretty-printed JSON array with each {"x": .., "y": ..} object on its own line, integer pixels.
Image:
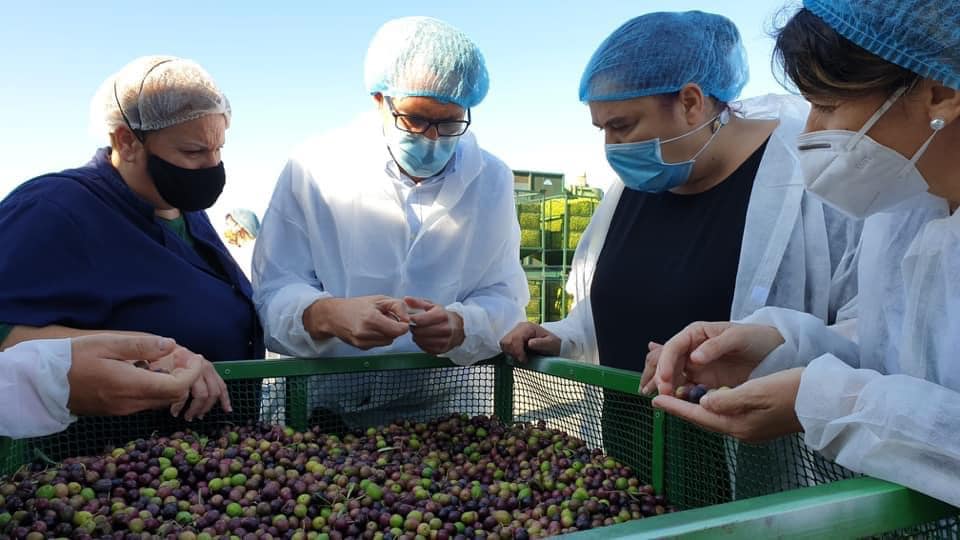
[{"x": 164, "y": 343}]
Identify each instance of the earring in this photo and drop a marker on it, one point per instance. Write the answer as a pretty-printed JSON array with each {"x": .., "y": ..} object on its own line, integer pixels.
[{"x": 937, "y": 124}]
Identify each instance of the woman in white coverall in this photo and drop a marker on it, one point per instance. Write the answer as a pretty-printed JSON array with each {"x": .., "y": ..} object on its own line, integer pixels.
[
  {"x": 881, "y": 143},
  {"x": 44, "y": 383},
  {"x": 401, "y": 209}
]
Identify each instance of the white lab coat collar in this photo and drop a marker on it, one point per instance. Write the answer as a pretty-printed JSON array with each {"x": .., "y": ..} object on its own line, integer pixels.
[{"x": 779, "y": 219}]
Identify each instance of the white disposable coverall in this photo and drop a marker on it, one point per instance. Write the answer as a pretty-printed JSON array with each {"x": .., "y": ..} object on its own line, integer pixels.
[
  {"x": 34, "y": 389},
  {"x": 344, "y": 222},
  {"x": 795, "y": 252},
  {"x": 888, "y": 406}
]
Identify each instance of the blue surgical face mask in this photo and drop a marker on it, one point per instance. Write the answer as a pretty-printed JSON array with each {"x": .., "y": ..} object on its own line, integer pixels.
[
  {"x": 641, "y": 167},
  {"x": 418, "y": 155}
]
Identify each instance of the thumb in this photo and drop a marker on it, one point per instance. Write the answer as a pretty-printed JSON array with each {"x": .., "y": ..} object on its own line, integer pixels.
[
  {"x": 418, "y": 303},
  {"x": 394, "y": 308},
  {"x": 725, "y": 402},
  {"x": 136, "y": 347},
  {"x": 544, "y": 345},
  {"x": 723, "y": 344}
]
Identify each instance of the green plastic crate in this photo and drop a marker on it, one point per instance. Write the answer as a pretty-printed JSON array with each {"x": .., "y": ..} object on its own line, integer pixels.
[{"x": 723, "y": 489}]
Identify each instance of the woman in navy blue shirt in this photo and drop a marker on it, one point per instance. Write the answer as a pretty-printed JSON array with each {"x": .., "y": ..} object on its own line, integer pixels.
[{"x": 123, "y": 243}]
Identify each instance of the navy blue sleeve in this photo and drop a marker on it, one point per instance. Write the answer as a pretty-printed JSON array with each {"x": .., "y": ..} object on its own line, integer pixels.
[{"x": 48, "y": 274}]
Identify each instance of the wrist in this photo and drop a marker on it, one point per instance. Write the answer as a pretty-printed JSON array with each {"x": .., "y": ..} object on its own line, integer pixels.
[
  {"x": 459, "y": 334},
  {"x": 317, "y": 318}
]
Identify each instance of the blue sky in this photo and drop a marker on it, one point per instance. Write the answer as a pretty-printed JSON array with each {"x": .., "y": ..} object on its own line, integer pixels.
[{"x": 292, "y": 69}]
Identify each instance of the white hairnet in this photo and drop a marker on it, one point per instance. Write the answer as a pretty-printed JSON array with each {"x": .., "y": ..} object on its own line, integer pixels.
[
  {"x": 420, "y": 56},
  {"x": 155, "y": 92}
]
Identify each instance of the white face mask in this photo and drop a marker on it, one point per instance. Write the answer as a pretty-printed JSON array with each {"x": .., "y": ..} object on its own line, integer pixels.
[{"x": 857, "y": 175}]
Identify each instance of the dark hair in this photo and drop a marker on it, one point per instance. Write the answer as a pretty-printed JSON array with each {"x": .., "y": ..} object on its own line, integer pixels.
[{"x": 818, "y": 61}]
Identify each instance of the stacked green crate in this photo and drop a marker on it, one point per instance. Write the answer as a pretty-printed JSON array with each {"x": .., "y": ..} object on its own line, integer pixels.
[
  {"x": 533, "y": 307},
  {"x": 551, "y": 228},
  {"x": 531, "y": 236},
  {"x": 565, "y": 220}
]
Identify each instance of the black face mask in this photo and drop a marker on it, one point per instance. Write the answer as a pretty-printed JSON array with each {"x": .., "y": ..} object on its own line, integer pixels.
[{"x": 187, "y": 189}]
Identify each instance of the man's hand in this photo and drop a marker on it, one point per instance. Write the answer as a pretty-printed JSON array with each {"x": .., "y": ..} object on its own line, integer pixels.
[
  {"x": 103, "y": 380},
  {"x": 435, "y": 330},
  {"x": 364, "y": 322},
  {"x": 758, "y": 410},
  {"x": 527, "y": 336}
]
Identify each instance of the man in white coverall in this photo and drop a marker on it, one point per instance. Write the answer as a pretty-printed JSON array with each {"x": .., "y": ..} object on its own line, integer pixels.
[{"x": 396, "y": 233}]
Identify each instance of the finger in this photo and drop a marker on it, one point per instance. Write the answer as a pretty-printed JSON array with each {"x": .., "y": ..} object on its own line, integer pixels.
[
  {"x": 672, "y": 358},
  {"x": 174, "y": 387},
  {"x": 730, "y": 402},
  {"x": 183, "y": 379},
  {"x": 693, "y": 413},
  {"x": 198, "y": 394},
  {"x": 225, "y": 396},
  {"x": 432, "y": 317},
  {"x": 434, "y": 346},
  {"x": 394, "y": 308},
  {"x": 418, "y": 303},
  {"x": 647, "y": 384},
  {"x": 726, "y": 342},
  {"x": 120, "y": 347},
  {"x": 512, "y": 345},
  {"x": 542, "y": 345},
  {"x": 371, "y": 341},
  {"x": 213, "y": 386},
  {"x": 433, "y": 331},
  {"x": 382, "y": 326},
  {"x": 654, "y": 346}
]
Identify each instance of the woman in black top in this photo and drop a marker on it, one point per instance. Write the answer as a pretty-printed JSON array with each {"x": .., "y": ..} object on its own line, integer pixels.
[{"x": 709, "y": 215}]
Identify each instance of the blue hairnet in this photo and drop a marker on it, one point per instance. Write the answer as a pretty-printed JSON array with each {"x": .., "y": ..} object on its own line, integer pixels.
[
  {"x": 420, "y": 56},
  {"x": 246, "y": 219},
  {"x": 659, "y": 53},
  {"x": 920, "y": 35}
]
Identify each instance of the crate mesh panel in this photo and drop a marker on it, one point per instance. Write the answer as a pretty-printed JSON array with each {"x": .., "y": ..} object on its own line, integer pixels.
[{"x": 700, "y": 468}]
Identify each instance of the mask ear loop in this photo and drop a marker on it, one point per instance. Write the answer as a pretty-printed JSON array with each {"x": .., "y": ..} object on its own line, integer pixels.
[
  {"x": 721, "y": 120},
  {"x": 138, "y": 133},
  {"x": 875, "y": 118},
  {"x": 717, "y": 122},
  {"x": 936, "y": 125}
]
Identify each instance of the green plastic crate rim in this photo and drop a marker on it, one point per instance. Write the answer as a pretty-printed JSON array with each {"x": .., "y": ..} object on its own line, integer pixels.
[{"x": 724, "y": 490}]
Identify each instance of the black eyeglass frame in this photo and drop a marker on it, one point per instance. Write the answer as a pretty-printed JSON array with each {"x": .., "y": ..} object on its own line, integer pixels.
[{"x": 461, "y": 125}]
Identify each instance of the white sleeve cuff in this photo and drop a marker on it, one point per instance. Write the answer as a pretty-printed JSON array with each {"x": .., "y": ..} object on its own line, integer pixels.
[
  {"x": 35, "y": 388},
  {"x": 476, "y": 333}
]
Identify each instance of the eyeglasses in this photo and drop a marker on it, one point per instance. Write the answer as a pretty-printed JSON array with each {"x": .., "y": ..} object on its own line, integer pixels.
[{"x": 417, "y": 124}]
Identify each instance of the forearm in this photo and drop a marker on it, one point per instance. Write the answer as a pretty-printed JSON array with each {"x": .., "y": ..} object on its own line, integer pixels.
[
  {"x": 20, "y": 334},
  {"x": 894, "y": 427}
]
